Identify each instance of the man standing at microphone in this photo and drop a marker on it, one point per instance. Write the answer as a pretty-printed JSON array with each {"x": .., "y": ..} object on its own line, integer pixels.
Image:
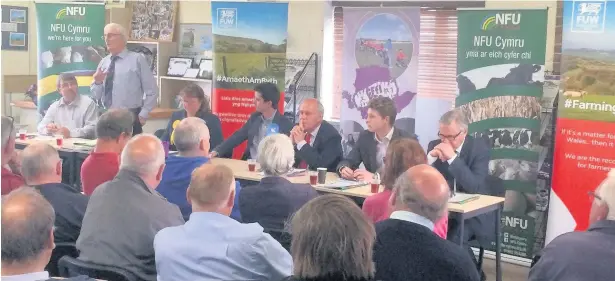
[
  {"x": 123, "y": 77},
  {"x": 265, "y": 118},
  {"x": 464, "y": 162}
]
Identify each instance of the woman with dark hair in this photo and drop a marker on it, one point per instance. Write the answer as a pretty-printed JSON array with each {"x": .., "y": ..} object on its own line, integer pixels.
[
  {"x": 331, "y": 241},
  {"x": 196, "y": 104},
  {"x": 401, "y": 155}
]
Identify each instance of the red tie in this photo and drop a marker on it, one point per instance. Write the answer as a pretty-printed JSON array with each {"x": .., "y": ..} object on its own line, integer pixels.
[{"x": 303, "y": 164}]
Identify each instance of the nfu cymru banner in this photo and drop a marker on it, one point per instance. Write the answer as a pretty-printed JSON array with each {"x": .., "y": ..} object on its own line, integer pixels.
[
  {"x": 585, "y": 131},
  {"x": 70, "y": 39},
  {"x": 381, "y": 47},
  {"x": 500, "y": 76},
  {"x": 249, "y": 49}
]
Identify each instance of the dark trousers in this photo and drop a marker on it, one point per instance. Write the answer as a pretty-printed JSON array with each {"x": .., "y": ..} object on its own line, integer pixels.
[{"x": 136, "y": 126}]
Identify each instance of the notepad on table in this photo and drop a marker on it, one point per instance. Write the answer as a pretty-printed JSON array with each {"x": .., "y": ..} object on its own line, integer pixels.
[
  {"x": 343, "y": 184},
  {"x": 461, "y": 198}
]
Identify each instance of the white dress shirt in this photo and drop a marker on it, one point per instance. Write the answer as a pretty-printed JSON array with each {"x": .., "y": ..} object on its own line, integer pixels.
[
  {"x": 34, "y": 276},
  {"x": 412, "y": 217},
  {"x": 382, "y": 146},
  {"x": 431, "y": 159},
  {"x": 303, "y": 142},
  {"x": 79, "y": 117}
]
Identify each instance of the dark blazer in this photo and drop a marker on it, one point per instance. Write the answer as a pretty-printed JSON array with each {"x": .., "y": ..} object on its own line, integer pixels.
[
  {"x": 273, "y": 201},
  {"x": 406, "y": 251},
  {"x": 587, "y": 255},
  {"x": 249, "y": 130},
  {"x": 69, "y": 206},
  {"x": 326, "y": 152},
  {"x": 212, "y": 121},
  {"x": 470, "y": 170},
  {"x": 338, "y": 276},
  {"x": 365, "y": 150}
]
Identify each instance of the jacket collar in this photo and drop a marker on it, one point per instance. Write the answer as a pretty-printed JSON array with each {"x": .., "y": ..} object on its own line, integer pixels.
[
  {"x": 274, "y": 180},
  {"x": 134, "y": 178},
  {"x": 603, "y": 226}
]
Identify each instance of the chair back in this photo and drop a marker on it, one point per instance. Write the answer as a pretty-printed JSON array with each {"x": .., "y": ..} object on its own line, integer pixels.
[
  {"x": 72, "y": 267},
  {"x": 281, "y": 236},
  {"x": 61, "y": 249}
]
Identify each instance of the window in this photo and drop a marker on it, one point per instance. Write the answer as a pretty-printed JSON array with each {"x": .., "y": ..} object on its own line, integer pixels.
[{"x": 437, "y": 56}]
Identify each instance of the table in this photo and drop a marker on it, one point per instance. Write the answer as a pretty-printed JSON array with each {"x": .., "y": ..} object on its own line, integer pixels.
[{"x": 484, "y": 204}]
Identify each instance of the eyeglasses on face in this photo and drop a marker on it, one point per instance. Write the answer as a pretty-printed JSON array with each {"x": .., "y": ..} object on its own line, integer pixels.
[{"x": 449, "y": 137}]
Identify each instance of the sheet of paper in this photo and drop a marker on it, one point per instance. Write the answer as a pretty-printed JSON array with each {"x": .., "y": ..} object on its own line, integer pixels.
[
  {"x": 461, "y": 198},
  {"x": 343, "y": 184}
]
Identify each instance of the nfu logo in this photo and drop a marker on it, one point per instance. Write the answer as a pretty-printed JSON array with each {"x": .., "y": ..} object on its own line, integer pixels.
[
  {"x": 588, "y": 16},
  {"x": 502, "y": 20},
  {"x": 70, "y": 12}
]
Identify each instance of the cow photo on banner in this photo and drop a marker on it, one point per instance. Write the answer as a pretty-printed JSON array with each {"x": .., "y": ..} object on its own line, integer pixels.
[
  {"x": 249, "y": 49},
  {"x": 381, "y": 47},
  {"x": 70, "y": 39},
  {"x": 500, "y": 77},
  {"x": 585, "y": 132}
]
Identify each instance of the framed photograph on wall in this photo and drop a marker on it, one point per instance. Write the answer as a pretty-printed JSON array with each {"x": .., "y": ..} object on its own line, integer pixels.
[
  {"x": 206, "y": 69},
  {"x": 195, "y": 41},
  {"x": 178, "y": 66},
  {"x": 153, "y": 20}
]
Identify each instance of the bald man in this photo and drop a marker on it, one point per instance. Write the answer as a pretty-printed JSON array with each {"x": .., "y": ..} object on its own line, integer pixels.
[
  {"x": 212, "y": 246},
  {"x": 192, "y": 141},
  {"x": 317, "y": 143},
  {"x": 125, "y": 214},
  {"x": 41, "y": 167},
  {"x": 419, "y": 199}
]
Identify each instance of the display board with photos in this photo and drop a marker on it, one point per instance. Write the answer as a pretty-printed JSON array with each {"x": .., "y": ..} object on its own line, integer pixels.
[
  {"x": 195, "y": 41},
  {"x": 153, "y": 20},
  {"x": 14, "y": 28},
  {"x": 178, "y": 66}
]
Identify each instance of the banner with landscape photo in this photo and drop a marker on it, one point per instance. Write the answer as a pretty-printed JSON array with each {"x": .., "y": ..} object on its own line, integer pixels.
[
  {"x": 381, "y": 47},
  {"x": 69, "y": 39},
  {"x": 585, "y": 132},
  {"x": 500, "y": 80},
  {"x": 249, "y": 49}
]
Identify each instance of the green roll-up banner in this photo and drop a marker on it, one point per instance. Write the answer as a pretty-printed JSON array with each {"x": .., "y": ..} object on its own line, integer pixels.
[
  {"x": 500, "y": 76},
  {"x": 70, "y": 39}
]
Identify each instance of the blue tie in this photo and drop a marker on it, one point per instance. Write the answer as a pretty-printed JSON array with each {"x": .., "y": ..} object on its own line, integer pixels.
[{"x": 107, "y": 99}]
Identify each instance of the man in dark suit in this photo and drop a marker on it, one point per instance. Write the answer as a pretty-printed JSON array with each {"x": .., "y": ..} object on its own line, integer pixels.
[
  {"x": 372, "y": 144},
  {"x": 464, "y": 163},
  {"x": 266, "y": 98},
  {"x": 406, "y": 247},
  {"x": 317, "y": 143}
]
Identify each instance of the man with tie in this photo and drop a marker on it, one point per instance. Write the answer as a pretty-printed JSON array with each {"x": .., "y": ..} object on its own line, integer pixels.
[
  {"x": 264, "y": 121},
  {"x": 317, "y": 143},
  {"x": 123, "y": 77},
  {"x": 464, "y": 163}
]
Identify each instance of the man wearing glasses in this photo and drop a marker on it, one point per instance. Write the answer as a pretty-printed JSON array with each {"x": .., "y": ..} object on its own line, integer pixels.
[
  {"x": 73, "y": 115},
  {"x": 464, "y": 163},
  {"x": 123, "y": 78}
]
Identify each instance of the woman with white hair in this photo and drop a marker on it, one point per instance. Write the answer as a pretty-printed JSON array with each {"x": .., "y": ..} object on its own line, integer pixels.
[{"x": 274, "y": 199}]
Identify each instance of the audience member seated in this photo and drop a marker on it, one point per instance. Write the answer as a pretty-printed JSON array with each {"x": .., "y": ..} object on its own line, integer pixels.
[
  {"x": 406, "y": 247},
  {"x": 372, "y": 144},
  {"x": 113, "y": 130},
  {"x": 10, "y": 178},
  {"x": 125, "y": 214},
  {"x": 587, "y": 255},
  {"x": 259, "y": 125},
  {"x": 401, "y": 155},
  {"x": 212, "y": 246},
  {"x": 332, "y": 241},
  {"x": 192, "y": 142},
  {"x": 318, "y": 143},
  {"x": 274, "y": 199},
  {"x": 42, "y": 169},
  {"x": 73, "y": 115},
  {"x": 27, "y": 236},
  {"x": 196, "y": 104}
]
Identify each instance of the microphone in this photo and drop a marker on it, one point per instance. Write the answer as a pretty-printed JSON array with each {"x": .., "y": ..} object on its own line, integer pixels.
[{"x": 273, "y": 128}]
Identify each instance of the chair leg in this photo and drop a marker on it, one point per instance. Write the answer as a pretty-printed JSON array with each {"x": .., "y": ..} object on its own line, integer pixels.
[{"x": 481, "y": 253}]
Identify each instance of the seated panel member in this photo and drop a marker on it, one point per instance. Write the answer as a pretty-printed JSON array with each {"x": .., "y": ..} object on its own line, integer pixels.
[
  {"x": 464, "y": 162},
  {"x": 318, "y": 143},
  {"x": 73, "y": 115},
  {"x": 196, "y": 104},
  {"x": 372, "y": 144},
  {"x": 266, "y": 99}
]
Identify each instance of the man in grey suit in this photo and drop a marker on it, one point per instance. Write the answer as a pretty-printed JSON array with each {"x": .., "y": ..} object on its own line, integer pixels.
[
  {"x": 124, "y": 214},
  {"x": 372, "y": 145}
]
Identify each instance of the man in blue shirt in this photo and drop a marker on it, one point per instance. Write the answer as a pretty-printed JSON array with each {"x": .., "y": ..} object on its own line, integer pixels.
[
  {"x": 211, "y": 246},
  {"x": 192, "y": 142}
]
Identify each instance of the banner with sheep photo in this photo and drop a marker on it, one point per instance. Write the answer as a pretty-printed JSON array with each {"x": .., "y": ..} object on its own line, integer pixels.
[
  {"x": 380, "y": 58},
  {"x": 500, "y": 77},
  {"x": 70, "y": 39}
]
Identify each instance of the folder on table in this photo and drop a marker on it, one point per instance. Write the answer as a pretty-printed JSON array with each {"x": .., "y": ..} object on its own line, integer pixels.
[{"x": 461, "y": 198}]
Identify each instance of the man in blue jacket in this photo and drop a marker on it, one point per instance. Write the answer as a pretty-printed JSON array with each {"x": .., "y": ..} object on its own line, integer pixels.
[{"x": 192, "y": 142}]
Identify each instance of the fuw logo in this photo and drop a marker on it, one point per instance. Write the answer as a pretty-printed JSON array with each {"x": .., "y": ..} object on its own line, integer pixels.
[
  {"x": 502, "y": 20},
  {"x": 70, "y": 12},
  {"x": 588, "y": 16}
]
